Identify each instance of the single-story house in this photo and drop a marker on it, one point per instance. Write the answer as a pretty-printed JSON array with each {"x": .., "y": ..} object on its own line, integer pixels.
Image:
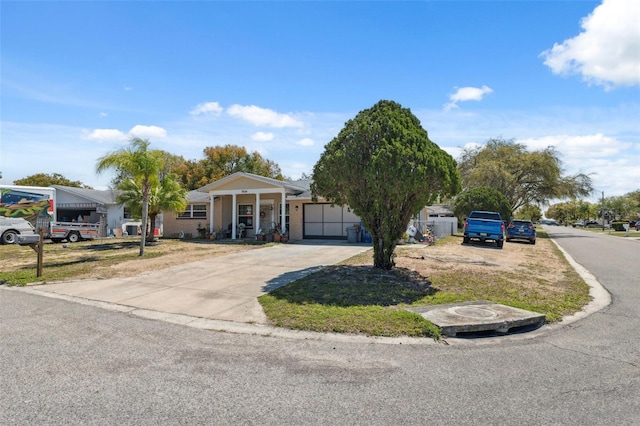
[
  {"x": 248, "y": 202},
  {"x": 259, "y": 203},
  {"x": 96, "y": 206}
]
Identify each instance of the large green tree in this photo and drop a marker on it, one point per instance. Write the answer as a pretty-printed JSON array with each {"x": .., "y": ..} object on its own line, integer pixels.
[
  {"x": 221, "y": 161},
  {"x": 482, "y": 198},
  {"x": 43, "y": 179},
  {"x": 524, "y": 177},
  {"x": 141, "y": 165},
  {"x": 384, "y": 167},
  {"x": 529, "y": 212}
]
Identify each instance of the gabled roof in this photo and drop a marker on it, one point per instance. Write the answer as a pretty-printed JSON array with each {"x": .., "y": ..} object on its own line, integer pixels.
[
  {"x": 104, "y": 197},
  {"x": 197, "y": 196},
  {"x": 292, "y": 187}
]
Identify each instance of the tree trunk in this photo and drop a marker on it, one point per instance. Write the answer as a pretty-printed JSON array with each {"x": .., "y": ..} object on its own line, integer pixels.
[
  {"x": 383, "y": 253},
  {"x": 152, "y": 227},
  {"x": 145, "y": 213}
]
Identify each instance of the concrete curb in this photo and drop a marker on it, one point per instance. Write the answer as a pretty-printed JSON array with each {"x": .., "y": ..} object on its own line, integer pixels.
[{"x": 601, "y": 299}]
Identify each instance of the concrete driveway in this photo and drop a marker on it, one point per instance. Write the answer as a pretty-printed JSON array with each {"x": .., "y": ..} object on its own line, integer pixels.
[{"x": 220, "y": 288}]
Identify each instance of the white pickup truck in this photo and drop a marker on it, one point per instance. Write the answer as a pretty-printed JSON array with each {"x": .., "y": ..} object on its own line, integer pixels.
[{"x": 11, "y": 227}]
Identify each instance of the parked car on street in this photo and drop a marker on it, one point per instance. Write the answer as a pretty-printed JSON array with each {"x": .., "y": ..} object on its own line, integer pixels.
[
  {"x": 520, "y": 229},
  {"x": 578, "y": 224},
  {"x": 592, "y": 224}
]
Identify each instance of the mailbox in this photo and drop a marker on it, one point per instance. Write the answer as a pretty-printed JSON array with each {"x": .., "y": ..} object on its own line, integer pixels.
[{"x": 27, "y": 239}]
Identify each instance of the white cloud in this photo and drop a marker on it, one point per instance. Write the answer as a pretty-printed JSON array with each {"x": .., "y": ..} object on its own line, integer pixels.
[
  {"x": 306, "y": 142},
  {"x": 262, "y": 136},
  {"x": 607, "y": 51},
  {"x": 207, "y": 108},
  {"x": 141, "y": 131},
  {"x": 115, "y": 135},
  {"x": 103, "y": 114},
  {"x": 464, "y": 94},
  {"x": 262, "y": 116},
  {"x": 105, "y": 135},
  {"x": 578, "y": 148}
]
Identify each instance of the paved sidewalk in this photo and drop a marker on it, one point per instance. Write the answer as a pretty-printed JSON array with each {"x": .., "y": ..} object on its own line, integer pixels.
[{"x": 220, "y": 288}]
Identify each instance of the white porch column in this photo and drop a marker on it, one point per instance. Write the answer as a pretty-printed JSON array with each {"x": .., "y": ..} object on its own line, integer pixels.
[
  {"x": 283, "y": 211},
  {"x": 256, "y": 214},
  {"x": 211, "y": 197},
  {"x": 234, "y": 216}
]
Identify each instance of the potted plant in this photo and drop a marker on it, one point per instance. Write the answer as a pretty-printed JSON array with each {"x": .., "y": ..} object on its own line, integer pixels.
[
  {"x": 284, "y": 236},
  {"x": 220, "y": 233},
  {"x": 260, "y": 235},
  {"x": 202, "y": 232},
  {"x": 277, "y": 234}
]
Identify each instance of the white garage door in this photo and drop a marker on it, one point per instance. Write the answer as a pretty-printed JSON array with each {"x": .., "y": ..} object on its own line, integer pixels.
[{"x": 324, "y": 221}]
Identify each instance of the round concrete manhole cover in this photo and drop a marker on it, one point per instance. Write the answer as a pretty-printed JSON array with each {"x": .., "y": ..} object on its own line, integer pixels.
[{"x": 473, "y": 312}]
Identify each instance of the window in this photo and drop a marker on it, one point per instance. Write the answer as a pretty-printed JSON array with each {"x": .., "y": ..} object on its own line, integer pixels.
[
  {"x": 127, "y": 214},
  {"x": 245, "y": 215},
  {"x": 194, "y": 211},
  {"x": 286, "y": 215}
]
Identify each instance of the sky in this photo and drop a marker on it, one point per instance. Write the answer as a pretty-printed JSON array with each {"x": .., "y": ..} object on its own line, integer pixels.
[{"x": 78, "y": 80}]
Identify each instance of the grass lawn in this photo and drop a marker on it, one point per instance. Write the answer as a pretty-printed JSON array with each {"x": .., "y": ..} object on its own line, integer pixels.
[
  {"x": 356, "y": 298},
  {"x": 632, "y": 232}
]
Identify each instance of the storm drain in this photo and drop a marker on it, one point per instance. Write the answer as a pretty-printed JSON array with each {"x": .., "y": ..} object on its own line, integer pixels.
[{"x": 480, "y": 318}]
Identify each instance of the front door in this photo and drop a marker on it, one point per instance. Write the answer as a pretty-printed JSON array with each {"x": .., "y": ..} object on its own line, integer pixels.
[{"x": 266, "y": 217}]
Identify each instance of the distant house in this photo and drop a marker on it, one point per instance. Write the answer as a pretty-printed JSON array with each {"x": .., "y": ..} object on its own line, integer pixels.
[{"x": 97, "y": 206}]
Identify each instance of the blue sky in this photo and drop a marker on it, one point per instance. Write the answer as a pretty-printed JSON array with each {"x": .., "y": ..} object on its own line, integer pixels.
[{"x": 79, "y": 79}]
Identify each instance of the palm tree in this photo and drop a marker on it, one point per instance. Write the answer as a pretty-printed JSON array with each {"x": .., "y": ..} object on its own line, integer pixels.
[
  {"x": 168, "y": 195},
  {"x": 139, "y": 164}
]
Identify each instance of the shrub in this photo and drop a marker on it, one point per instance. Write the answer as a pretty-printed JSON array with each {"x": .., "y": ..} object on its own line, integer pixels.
[{"x": 618, "y": 225}]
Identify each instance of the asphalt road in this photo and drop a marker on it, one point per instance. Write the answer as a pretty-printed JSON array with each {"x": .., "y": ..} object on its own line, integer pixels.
[{"x": 68, "y": 363}]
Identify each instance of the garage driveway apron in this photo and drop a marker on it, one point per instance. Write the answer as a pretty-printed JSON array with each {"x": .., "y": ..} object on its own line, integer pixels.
[{"x": 221, "y": 288}]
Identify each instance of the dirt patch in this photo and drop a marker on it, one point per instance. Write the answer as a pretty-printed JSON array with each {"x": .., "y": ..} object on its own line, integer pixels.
[
  {"x": 541, "y": 266},
  {"x": 516, "y": 257},
  {"x": 114, "y": 257}
]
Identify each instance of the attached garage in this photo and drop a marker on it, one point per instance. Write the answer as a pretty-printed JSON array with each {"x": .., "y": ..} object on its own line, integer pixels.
[{"x": 327, "y": 222}]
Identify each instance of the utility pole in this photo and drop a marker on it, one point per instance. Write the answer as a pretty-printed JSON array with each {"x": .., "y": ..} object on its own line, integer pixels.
[{"x": 602, "y": 211}]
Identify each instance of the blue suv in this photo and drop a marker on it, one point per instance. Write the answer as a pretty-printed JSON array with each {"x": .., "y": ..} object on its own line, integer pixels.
[{"x": 521, "y": 230}]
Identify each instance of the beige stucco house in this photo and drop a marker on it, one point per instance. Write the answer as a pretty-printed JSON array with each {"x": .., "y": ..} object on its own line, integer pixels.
[{"x": 259, "y": 203}]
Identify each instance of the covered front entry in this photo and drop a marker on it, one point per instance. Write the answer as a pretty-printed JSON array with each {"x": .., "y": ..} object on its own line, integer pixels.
[
  {"x": 325, "y": 221},
  {"x": 243, "y": 204}
]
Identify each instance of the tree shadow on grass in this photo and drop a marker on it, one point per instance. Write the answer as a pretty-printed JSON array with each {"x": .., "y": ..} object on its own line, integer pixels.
[{"x": 346, "y": 285}]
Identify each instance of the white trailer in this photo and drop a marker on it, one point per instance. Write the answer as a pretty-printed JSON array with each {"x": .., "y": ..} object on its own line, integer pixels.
[{"x": 72, "y": 232}]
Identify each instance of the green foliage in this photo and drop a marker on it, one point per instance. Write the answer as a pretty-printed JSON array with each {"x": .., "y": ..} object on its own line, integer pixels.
[
  {"x": 137, "y": 166},
  {"x": 384, "y": 167},
  {"x": 529, "y": 212},
  {"x": 523, "y": 177},
  {"x": 221, "y": 161},
  {"x": 42, "y": 179},
  {"x": 619, "y": 225},
  {"x": 167, "y": 195},
  {"x": 482, "y": 198}
]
